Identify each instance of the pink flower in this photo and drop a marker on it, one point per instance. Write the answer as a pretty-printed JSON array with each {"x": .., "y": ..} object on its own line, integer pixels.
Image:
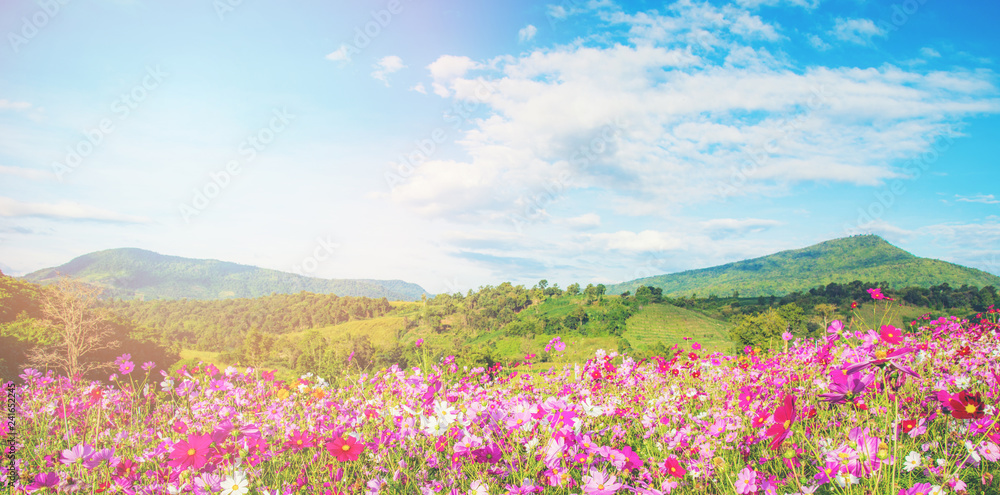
[
  {"x": 600, "y": 483},
  {"x": 300, "y": 440},
  {"x": 674, "y": 468},
  {"x": 345, "y": 449},
  {"x": 746, "y": 481},
  {"x": 126, "y": 367},
  {"x": 695, "y": 346},
  {"x": 990, "y": 451},
  {"x": 891, "y": 334},
  {"x": 191, "y": 453}
]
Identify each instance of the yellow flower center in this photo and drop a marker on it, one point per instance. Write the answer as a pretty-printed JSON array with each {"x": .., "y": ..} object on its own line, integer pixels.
[
  {"x": 969, "y": 408},
  {"x": 345, "y": 448},
  {"x": 787, "y": 423},
  {"x": 192, "y": 452},
  {"x": 600, "y": 487},
  {"x": 298, "y": 442},
  {"x": 881, "y": 354},
  {"x": 236, "y": 487}
]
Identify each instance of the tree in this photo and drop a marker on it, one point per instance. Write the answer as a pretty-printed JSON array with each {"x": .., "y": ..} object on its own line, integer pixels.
[
  {"x": 826, "y": 311},
  {"x": 257, "y": 348},
  {"x": 762, "y": 330},
  {"x": 573, "y": 289},
  {"x": 80, "y": 329}
]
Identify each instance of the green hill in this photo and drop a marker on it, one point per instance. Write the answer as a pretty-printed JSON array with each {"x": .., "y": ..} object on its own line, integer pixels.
[
  {"x": 864, "y": 257},
  {"x": 131, "y": 273}
]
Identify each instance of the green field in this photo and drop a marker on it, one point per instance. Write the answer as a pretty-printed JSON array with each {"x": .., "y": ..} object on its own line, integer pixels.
[
  {"x": 668, "y": 324},
  {"x": 381, "y": 331}
]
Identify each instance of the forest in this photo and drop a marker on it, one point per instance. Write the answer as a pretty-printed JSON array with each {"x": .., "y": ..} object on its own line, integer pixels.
[{"x": 326, "y": 334}]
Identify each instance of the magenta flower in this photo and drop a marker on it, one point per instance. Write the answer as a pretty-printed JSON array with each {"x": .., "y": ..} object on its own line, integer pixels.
[
  {"x": 919, "y": 489},
  {"x": 192, "y": 453},
  {"x": 419, "y": 342},
  {"x": 844, "y": 386},
  {"x": 891, "y": 334}
]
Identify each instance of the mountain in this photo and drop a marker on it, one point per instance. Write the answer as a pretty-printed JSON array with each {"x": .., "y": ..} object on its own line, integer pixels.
[
  {"x": 868, "y": 258},
  {"x": 131, "y": 273}
]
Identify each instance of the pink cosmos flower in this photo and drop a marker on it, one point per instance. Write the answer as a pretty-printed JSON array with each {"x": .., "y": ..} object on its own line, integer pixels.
[
  {"x": 126, "y": 367},
  {"x": 192, "y": 453},
  {"x": 300, "y": 440},
  {"x": 78, "y": 453},
  {"x": 990, "y": 451},
  {"x": 746, "y": 481},
  {"x": 784, "y": 416},
  {"x": 600, "y": 483},
  {"x": 345, "y": 449},
  {"x": 919, "y": 489},
  {"x": 876, "y": 293},
  {"x": 674, "y": 468},
  {"x": 891, "y": 335}
]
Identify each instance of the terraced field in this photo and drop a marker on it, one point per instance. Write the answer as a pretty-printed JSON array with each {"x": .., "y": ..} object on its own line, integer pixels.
[{"x": 670, "y": 324}]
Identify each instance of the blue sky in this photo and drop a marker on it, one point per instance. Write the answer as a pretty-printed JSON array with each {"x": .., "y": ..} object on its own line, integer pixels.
[{"x": 456, "y": 144}]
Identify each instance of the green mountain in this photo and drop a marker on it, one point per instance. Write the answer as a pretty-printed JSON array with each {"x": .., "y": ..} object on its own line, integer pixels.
[
  {"x": 867, "y": 258},
  {"x": 131, "y": 273}
]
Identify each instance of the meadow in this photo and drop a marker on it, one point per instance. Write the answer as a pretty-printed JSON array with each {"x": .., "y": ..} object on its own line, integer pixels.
[{"x": 858, "y": 410}]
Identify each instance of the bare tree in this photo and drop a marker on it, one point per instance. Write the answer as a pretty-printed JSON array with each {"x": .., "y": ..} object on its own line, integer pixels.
[{"x": 81, "y": 329}]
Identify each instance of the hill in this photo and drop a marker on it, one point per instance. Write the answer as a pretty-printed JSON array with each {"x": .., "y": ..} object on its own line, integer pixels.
[
  {"x": 131, "y": 273},
  {"x": 864, "y": 257}
]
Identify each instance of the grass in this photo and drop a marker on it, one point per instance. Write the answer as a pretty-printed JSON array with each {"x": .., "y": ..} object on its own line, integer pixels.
[
  {"x": 381, "y": 331},
  {"x": 669, "y": 324},
  {"x": 191, "y": 357}
]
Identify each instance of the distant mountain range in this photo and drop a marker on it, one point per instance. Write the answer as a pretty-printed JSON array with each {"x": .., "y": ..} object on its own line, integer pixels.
[
  {"x": 131, "y": 273},
  {"x": 868, "y": 258}
]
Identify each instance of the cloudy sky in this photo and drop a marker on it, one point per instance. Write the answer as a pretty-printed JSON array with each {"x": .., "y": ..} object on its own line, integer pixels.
[{"x": 456, "y": 144}]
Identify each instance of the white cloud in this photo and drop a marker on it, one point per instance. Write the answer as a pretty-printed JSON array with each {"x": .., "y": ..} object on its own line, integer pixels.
[
  {"x": 14, "y": 105},
  {"x": 929, "y": 52},
  {"x": 858, "y": 31},
  {"x": 341, "y": 54},
  {"x": 818, "y": 43},
  {"x": 585, "y": 221},
  {"x": 63, "y": 210},
  {"x": 385, "y": 66},
  {"x": 807, "y": 4},
  {"x": 724, "y": 227},
  {"x": 419, "y": 88},
  {"x": 986, "y": 199},
  {"x": 671, "y": 129},
  {"x": 527, "y": 33},
  {"x": 645, "y": 241},
  {"x": 446, "y": 69}
]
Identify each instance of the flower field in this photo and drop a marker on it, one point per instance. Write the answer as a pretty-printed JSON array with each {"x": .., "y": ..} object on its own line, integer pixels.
[{"x": 859, "y": 411}]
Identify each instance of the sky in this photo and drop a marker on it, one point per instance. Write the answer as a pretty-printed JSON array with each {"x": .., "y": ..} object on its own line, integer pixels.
[{"x": 457, "y": 143}]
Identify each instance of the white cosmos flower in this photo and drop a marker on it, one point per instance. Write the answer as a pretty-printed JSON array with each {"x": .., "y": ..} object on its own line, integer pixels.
[
  {"x": 590, "y": 409},
  {"x": 912, "y": 461},
  {"x": 237, "y": 484}
]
